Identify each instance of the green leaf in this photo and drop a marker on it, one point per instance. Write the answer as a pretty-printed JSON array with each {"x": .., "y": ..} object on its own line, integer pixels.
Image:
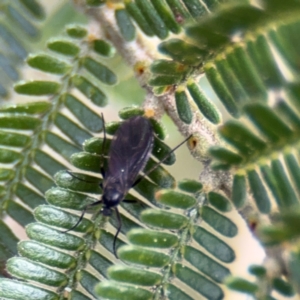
[
  {"x": 89, "y": 90},
  {"x": 288, "y": 195},
  {"x": 246, "y": 73},
  {"x": 47, "y": 163},
  {"x": 19, "y": 213},
  {"x": 241, "y": 285},
  {"x": 71, "y": 129},
  {"x": 195, "y": 8},
  {"x": 95, "y": 2},
  {"x": 31, "y": 108},
  {"x": 239, "y": 191},
  {"x": 206, "y": 107},
  {"x": 153, "y": 19},
  {"x": 294, "y": 263},
  {"x": 232, "y": 82},
  {"x": 87, "y": 161},
  {"x": 175, "y": 199},
  {"x": 37, "y": 88},
  {"x": 158, "y": 128},
  {"x": 109, "y": 290},
  {"x": 18, "y": 121},
  {"x": 261, "y": 55},
  {"x": 55, "y": 217},
  {"x": 162, "y": 152},
  {"x": 225, "y": 156},
  {"x": 221, "y": 90},
  {"x": 159, "y": 175},
  {"x": 88, "y": 282},
  {"x": 163, "y": 219},
  {"x": 190, "y": 185},
  {"x": 13, "y": 139},
  {"x": 76, "y": 31},
  {"x": 235, "y": 133},
  {"x": 257, "y": 270},
  {"x": 134, "y": 275},
  {"x": 100, "y": 262},
  {"x": 205, "y": 264},
  {"x": 182, "y": 52},
  {"x": 213, "y": 245},
  {"x": 214, "y": 32},
  {"x": 49, "y": 236},
  {"x": 8, "y": 238},
  {"x": 162, "y": 80},
  {"x": 64, "y": 47},
  {"x": 38, "y": 179},
  {"x": 85, "y": 115},
  {"x": 34, "y": 7},
  {"x": 46, "y": 255},
  {"x": 150, "y": 238},
  {"x": 143, "y": 256},
  {"x": 166, "y": 16},
  {"x": 124, "y": 22},
  {"x": 283, "y": 287},
  {"x": 219, "y": 202},
  {"x": 13, "y": 289},
  {"x": 6, "y": 174},
  {"x": 259, "y": 192},
  {"x": 48, "y": 64},
  {"x": 167, "y": 67},
  {"x": 60, "y": 145},
  {"x": 8, "y": 156},
  {"x": 283, "y": 38},
  {"x": 67, "y": 199},
  {"x": 103, "y": 48},
  {"x": 131, "y": 111},
  {"x": 22, "y": 22},
  {"x": 198, "y": 282},
  {"x": 28, "y": 196},
  {"x": 175, "y": 293},
  {"x": 138, "y": 17},
  {"x": 25, "y": 269},
  {"x": 66, "y": 180},
  {"x": 100, "y": 71},
  {"x": 219, "y": 222},
  {"x": 293, "y": 167},
  {"x": 15, "y": 46},
  {"x": 268, "y": 122},
  {"x": 183, "y": 107}
]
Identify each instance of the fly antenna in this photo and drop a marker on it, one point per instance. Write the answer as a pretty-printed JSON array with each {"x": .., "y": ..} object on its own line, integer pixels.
[
  {"x": 80, "y": 219},
  {"x": 161, "y": 161}
]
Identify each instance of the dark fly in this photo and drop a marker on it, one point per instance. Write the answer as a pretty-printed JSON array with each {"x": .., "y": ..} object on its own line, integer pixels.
[{"x": 128, "y": 154}]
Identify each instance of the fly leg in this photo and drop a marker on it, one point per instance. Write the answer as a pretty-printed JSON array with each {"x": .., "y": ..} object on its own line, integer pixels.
[
  {"x": 130, "y": 201},
  {"x": 118, "y": 231},
  {"x": 82, "y": 215},
  {"x": 88, "y": 181},
  {"x": 160, "y": 162},
  {"x": 103, "y": 148}
]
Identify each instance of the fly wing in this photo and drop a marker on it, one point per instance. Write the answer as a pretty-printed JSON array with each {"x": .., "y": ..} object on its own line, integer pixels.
[{"x": 129, "y": 151}]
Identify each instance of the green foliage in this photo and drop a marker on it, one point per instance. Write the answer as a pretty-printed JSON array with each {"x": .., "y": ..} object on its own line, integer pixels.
[
  {"x": 19, "y": 29},
  {"x": 176, "y": 240}
]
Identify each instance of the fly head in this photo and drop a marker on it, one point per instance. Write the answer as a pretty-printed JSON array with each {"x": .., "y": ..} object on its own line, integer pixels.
[{"x": 112, "y": 196}]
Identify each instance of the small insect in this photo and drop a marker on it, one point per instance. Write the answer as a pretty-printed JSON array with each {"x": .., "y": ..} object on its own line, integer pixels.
[{"x": 129, "y": 152}]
